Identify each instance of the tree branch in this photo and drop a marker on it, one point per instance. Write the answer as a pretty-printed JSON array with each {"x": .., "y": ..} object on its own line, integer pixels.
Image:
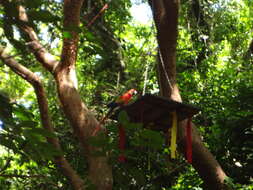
[
  {"x": 165, "y": 15},
  {"x": 34, "y": 80},
  {"x": 98, "y": 14},
  {"x": 166, "y": 24},
  {"x": 71, "y": 11},
  {"x": 41, "y": 54},
  {"x": 82, "y": 120}
]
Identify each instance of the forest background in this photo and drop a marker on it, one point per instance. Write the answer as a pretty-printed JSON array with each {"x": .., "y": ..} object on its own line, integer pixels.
[{"x": 52, "y": 102}]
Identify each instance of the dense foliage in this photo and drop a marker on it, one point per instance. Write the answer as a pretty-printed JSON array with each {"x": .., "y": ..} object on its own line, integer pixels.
[{"x": 214, "y": 64}]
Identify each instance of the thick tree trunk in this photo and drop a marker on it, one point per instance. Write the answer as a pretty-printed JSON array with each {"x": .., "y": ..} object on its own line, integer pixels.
[
  {"x": 165, "y": 14},
  {"x": 82, "y": 121}
]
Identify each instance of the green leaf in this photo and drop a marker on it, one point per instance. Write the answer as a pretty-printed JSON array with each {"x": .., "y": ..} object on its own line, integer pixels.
[
  {"x": 123, "y": 118},
  {"x": 40, "y": 132},
  {"x": 48, "y": 150},
  {"x": 32, "y": 137},
  {"x": 33, "y": 4},
  {"x": 43, "y": 132},
  {"x": 67, "y": 35},
  {"x": 28, "y": 124},
  {"x": 8, "y": 143},
  {"x": 22, "y": 113},
  {"x": 134, "y": 126},
  {"x": 42, "y": 15},
  {"x": 90, "y": 36},
  {"x": 229, "y": 181},
  {"x": 153, "y": 138},
  {"x": 98, "y": 141}
]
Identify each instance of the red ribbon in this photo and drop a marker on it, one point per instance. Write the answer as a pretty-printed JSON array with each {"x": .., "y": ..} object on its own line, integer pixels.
[
  {"x": 122, "y": 142},
  {"x": 189, "y": 141}
]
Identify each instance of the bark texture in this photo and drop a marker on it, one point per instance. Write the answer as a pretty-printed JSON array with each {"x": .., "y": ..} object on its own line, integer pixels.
[
  {"x": 34, "y": 80},
  {"x": 165, "y": 14},
  {"x": 81, "y": 119}
]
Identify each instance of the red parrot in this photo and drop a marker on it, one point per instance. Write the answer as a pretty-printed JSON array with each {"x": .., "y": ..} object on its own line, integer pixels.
[
  {"x": 120, "y": 101},
  {"x": 123, "y": 99}
]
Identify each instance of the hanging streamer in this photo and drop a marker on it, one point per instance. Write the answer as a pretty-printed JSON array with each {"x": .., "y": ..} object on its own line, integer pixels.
[
  {"x": 189, "y": 141},
  {"x": 173, "y": 142}
]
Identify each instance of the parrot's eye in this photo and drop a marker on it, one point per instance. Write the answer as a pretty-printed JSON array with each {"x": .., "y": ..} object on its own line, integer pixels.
[{"x": 132, "y": 92}]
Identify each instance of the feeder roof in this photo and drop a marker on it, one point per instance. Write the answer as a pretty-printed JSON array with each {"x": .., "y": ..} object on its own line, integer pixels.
[{"x": 155, "y": 112}]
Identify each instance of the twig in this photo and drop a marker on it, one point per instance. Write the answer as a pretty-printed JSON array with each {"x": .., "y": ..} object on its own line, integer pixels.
[{"x": 99, "y": 13}]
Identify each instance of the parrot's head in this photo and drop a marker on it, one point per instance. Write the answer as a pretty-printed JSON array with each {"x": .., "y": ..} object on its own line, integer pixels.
[
  {"x": 132, "y": 92},
  {"x": 125, "y": 98}
]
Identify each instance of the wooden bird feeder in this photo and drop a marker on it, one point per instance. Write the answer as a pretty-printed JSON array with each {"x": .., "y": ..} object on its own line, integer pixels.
[{"x": 156, "y": 112}]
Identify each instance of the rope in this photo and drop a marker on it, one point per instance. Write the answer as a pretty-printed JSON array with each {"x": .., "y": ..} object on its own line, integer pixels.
[
  {"x": 164, "y": 70},
  {"x": 145, "y": 80}
]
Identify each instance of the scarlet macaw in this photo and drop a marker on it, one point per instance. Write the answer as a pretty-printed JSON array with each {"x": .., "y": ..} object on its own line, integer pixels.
[{"x": 121, "y": 101}]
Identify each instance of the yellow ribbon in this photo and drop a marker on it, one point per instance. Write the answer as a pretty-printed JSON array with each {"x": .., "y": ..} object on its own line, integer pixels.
[{"x": 173, "y": 140}]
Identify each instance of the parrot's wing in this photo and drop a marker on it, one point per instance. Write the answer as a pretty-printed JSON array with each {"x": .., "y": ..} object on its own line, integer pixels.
[{"x": 112, "y": 105}]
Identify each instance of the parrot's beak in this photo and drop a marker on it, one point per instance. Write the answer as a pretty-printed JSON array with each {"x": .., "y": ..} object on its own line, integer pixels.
[{"x": 134, "y": 92}]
